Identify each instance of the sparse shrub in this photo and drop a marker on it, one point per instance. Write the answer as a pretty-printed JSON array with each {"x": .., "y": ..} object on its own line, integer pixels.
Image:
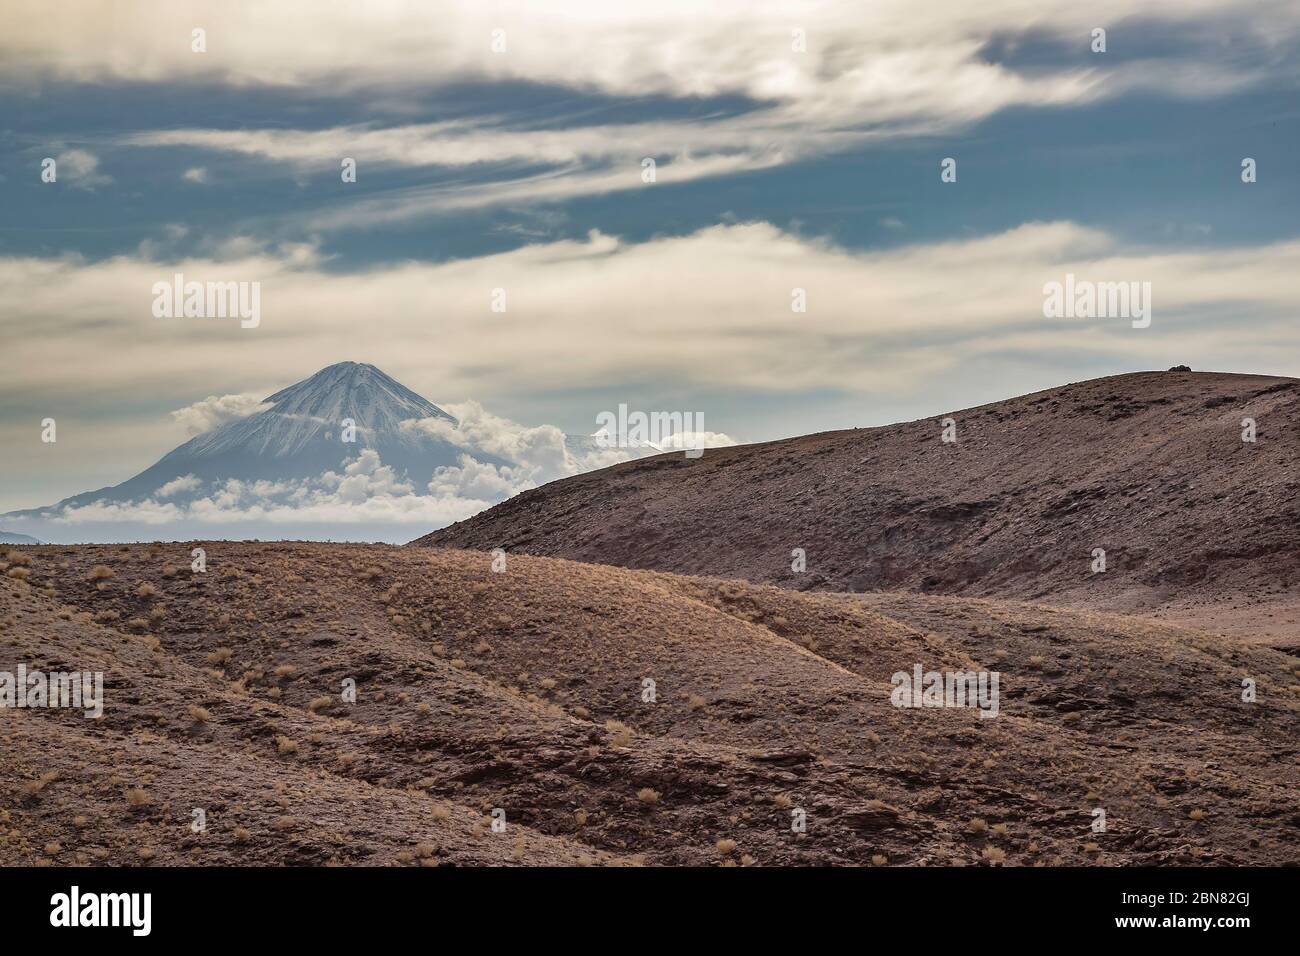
[
  {"x": 994, "y": 855},
  {"x": 621, "y": 733},
  {"x": 285, "y": 745},
  {"x": 441, "y": 813},
  {"x": 200, "y": 715},
  {"x": 145, "y": 590},
  {"x": 978, "y": 825},
  {"x": 725, "y": 846},
  {"x": 33, "y": 787},
  {"x": 137, "y": 798},
  {"x": 696, "y": 702},
  {"x": 220, "y": 656},
  {"x": 1197, "y": 814},
  {"x": 648, "y": 796},
  {"x": 101, "y": 572},
  {"x": 319, "y": 704},
  {"x": 242, "y": 835},
  {"x": 19, "y": 574},
  {"x": 879, "y": 859}
]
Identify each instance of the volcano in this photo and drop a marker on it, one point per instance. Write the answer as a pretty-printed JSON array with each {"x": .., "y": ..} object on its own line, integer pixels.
[{"x": 346, "y": 417}]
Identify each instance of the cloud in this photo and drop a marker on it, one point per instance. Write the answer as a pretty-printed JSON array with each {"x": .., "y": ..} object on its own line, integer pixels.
[
  {"x": 582, "y": 160},
  {"x": 196, "y": 174},
  {"x": 80, "y": 169},
  {"x": 177, "y": 486},
  {"x": 819, "y": 79},
  {"x": 500, "y": 458},
  {"x": 705, "y": 312},
  {"x": 870, "y": 62},
  {"x": 205, "y": 415}
]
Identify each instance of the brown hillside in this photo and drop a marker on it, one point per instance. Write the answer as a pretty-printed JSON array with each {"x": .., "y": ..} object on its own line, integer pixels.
[
  {"x": 523, "y": 690},
  {"x": 1197, "y": 525}
]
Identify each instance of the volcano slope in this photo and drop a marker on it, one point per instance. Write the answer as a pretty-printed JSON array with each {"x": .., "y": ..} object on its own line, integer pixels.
[
  {"x": 1197, "y": 525},
  {"x": 525, "y": 692}
]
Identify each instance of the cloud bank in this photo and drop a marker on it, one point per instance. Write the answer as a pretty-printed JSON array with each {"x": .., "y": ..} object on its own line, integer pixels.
[{"x": 364, "y": 491}]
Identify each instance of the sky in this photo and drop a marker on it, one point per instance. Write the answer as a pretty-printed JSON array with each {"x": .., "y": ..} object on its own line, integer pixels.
[{"x": 798, "y": 154}]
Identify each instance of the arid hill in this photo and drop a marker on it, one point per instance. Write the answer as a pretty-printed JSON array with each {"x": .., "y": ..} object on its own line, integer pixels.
[
  {"x": 1197, "y": 525},
  {"x": 525, "y": 691}
]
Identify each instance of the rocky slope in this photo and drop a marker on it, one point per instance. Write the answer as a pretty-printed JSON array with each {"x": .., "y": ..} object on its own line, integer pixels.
[
  {"x": 1197, "y": 525},
  {"x": 525, "y": 691}
]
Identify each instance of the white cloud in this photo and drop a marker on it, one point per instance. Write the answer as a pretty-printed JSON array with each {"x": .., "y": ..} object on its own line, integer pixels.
[
  {"x": 196, "y": 174},
  {"x": 871, "y": 62},
  {"x": 883, "y": 68},
  {"x": 510, "y": 458},
  {"x": 709, "y": 311},
  {"x": 80, "y": 169},
  {"x": 178, "y": 485},
  {"x": 205, "y": 415}
]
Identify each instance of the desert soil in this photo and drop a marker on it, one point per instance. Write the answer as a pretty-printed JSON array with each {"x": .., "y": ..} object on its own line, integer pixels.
[{"x": 524, "y": 691}]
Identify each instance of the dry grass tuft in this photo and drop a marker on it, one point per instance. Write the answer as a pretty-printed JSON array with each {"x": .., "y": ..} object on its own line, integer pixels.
[{"x": 994, "y": 855}]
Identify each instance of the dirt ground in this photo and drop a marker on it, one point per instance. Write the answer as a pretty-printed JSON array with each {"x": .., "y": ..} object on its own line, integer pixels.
[{"x": 520, "y": 697}]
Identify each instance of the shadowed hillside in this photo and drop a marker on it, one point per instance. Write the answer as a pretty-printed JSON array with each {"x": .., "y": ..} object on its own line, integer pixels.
[{"x": 1197, "y": 525}]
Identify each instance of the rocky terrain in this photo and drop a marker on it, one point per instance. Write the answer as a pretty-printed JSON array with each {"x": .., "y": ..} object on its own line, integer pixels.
[
  {"x": 1198, "y": 526},
  {"x": 524, "y": 691}
]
